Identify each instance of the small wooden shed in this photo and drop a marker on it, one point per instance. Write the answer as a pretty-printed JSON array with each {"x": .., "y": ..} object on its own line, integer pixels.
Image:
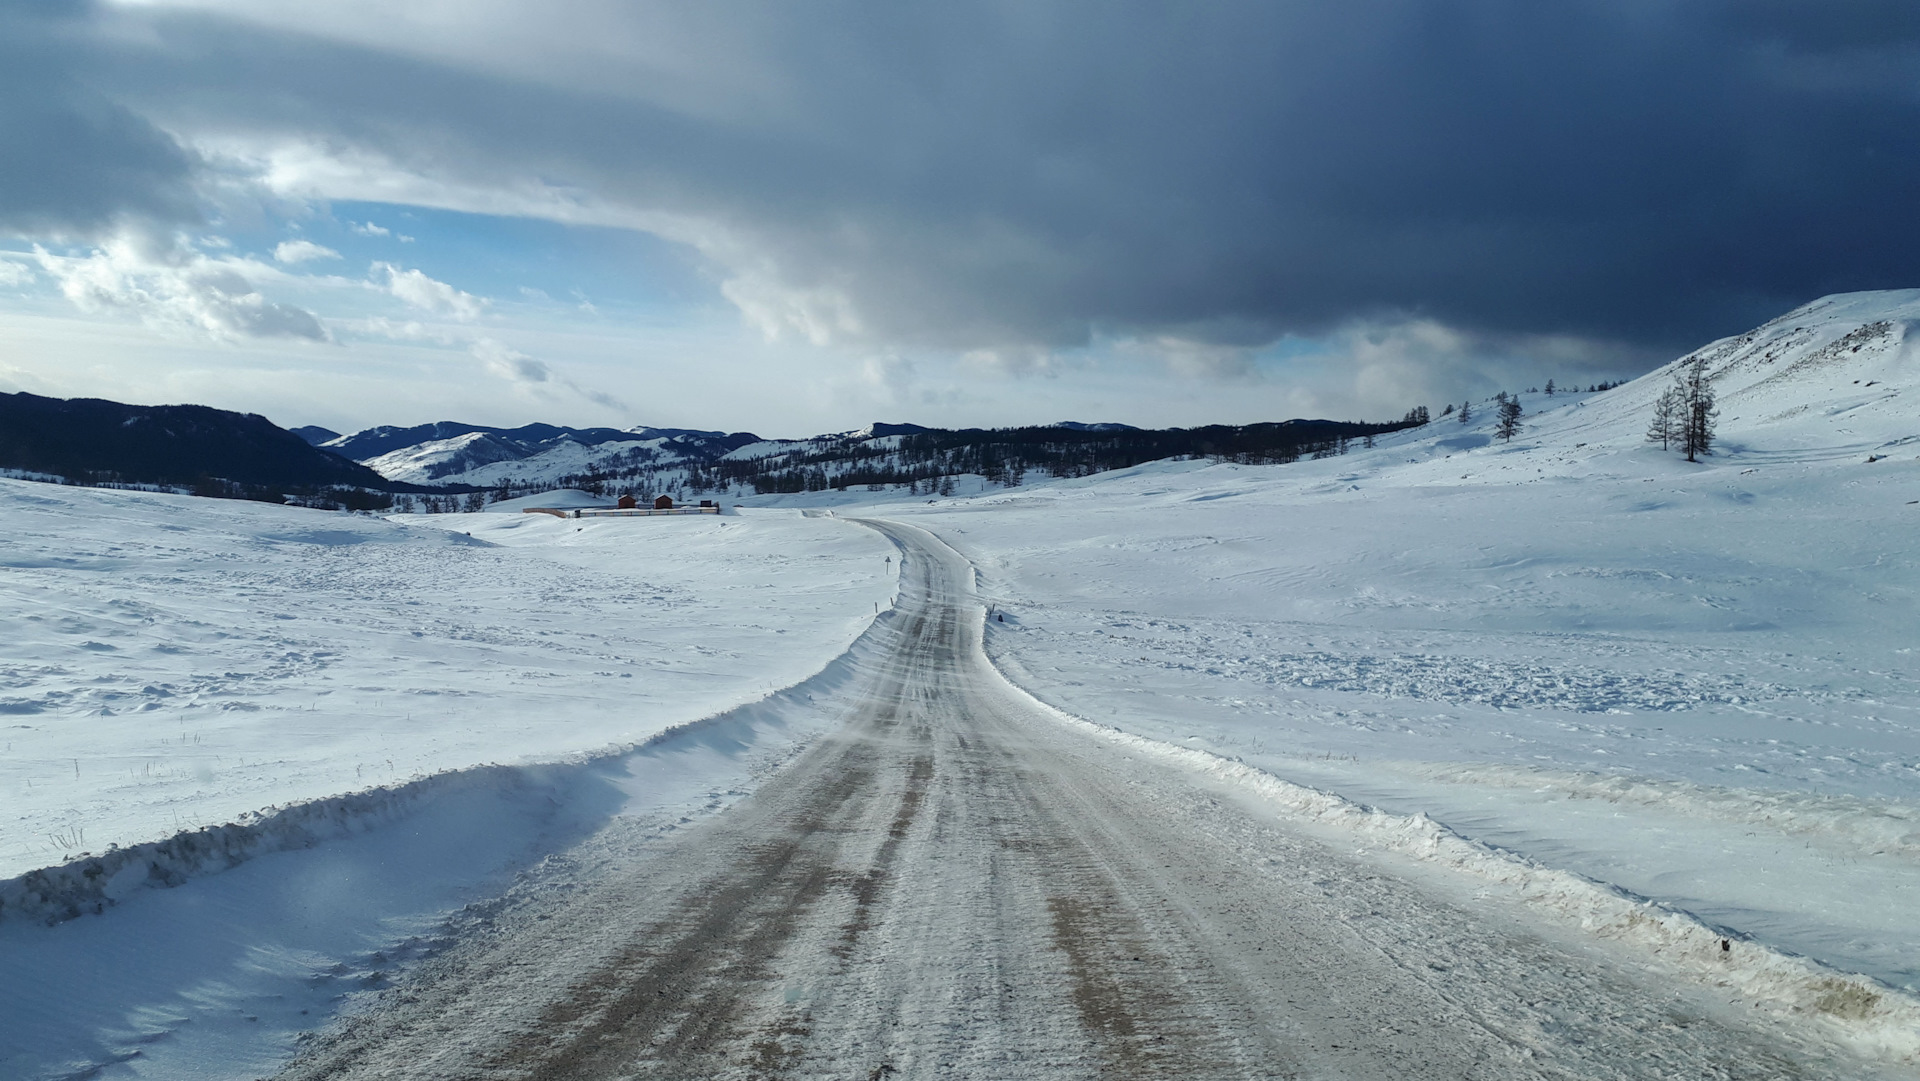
[
  {"x": 664, "y": 502},
  {"x": 627, "y": 502}
]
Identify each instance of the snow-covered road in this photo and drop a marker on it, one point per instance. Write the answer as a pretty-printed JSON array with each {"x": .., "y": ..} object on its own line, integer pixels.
[{"x": 956, "y": 884}]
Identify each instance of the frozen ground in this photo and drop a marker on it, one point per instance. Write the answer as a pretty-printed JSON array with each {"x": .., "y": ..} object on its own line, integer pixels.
[
  {"x": 225, "y": 975},
  {"x": 173, "y": 662},
  {"x": 955, "y": 884},
  {"x": 1697, "y": 682},
  {"x": 1694, "y": 683}
]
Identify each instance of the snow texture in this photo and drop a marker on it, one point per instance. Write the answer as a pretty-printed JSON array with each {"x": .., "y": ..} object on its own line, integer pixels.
[
  {"x": 1692, "y": 684},
  {"x": 174, "y": 663},
  {"x": 227, "y": 974},
  {"x": 1669, "y": 703}
]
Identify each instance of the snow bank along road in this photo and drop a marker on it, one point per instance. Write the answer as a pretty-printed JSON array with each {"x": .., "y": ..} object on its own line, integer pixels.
[{"x": 955, "y": 884}]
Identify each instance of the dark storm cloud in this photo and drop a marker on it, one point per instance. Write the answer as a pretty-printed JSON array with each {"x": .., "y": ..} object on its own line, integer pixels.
[
  {"x": 1012, "y": 174},
  {"x": 72, "y": 162}
]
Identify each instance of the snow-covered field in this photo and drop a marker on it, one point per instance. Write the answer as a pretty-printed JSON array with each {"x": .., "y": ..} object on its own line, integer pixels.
[
  {"x": 173, "y": 662},
  {"x": 1696, "y": 682}
]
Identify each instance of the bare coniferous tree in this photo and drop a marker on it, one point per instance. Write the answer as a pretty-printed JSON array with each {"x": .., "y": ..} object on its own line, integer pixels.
[
  {"x": 1664, "y": 426},
  {"x": 1697, "y": 410},
  {"x": 1509, "y": 418},
  {"x": 1466, "y": 412}
]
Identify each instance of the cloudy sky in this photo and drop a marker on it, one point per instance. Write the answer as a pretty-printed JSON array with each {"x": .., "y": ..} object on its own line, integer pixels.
[{"x": 800, "y": 217}]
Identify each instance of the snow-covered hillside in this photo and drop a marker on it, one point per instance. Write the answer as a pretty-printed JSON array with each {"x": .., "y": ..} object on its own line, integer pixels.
[
  {"x": 426, "y": 462},
  {"x": 1835, "y": 378},
  {"x": 531, "y": 458},
  {"x": 1696, "y": 682},
  {"x": 481, "y": 459},
  {"x": 173, "y": 662}
]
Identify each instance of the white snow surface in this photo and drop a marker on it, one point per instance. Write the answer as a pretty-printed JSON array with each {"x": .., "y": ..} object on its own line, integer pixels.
[
  {"x": 222, "y": 976},
  {"x": 486, "y": 463},
  {"x": 558, "y": 499},
  {"x": 1694, "y": 682},
  {"x": 173, "y": 662},
  {"x": 416, "y": 464}
]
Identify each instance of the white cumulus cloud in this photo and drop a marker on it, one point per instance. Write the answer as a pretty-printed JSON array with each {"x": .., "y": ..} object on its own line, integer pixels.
[
  {"x": 168, "y": 282},
  {"x": 302, "y": 251},
  {"x": 429, "y": 294}
]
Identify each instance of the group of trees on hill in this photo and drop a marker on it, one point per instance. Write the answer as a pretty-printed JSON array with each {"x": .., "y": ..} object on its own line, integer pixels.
[
  {"x": 1508, "y": 412},
  {"x": 1683, "y": 415}
]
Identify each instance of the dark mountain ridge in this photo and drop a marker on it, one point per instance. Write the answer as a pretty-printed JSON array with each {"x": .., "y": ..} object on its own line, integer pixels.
[
  {"x": 314, "y": 434},
  {"x": 209, "y": 451}
]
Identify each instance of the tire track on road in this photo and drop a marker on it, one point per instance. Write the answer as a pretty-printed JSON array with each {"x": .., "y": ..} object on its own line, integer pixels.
[{"x": 956, "y": 885}]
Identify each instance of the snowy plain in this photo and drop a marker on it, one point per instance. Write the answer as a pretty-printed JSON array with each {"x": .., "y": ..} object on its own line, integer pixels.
[
  {"x": 1693, "y": 683},
  {"x": 173, "y": 662},
  {"x": 176, "y": 664}
]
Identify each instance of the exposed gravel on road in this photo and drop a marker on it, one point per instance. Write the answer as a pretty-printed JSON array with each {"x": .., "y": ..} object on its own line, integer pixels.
[{"x": 956, "y": 885}]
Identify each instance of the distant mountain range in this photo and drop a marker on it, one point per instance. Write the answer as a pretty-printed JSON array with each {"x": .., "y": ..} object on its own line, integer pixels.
[
  {"x": 682, "y": 462},
  {"x": 217, "y": 452},
  {"x": 1852, "y": 351}
]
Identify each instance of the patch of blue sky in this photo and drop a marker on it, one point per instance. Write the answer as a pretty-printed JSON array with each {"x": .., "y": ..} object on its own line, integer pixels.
[{"x": 515, "y": 261}]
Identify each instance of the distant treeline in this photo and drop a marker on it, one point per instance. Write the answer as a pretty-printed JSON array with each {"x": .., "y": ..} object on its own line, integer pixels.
[
  {"x": 216, "y": 452},
  {"x": 928, "y": 459}
]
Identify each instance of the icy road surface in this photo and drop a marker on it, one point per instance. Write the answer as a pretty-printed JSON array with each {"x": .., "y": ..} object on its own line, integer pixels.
[{"x": 955, "y": 884}]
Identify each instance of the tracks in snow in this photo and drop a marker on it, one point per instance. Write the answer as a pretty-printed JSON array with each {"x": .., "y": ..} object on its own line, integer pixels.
[{"x": 954, "y": 885}]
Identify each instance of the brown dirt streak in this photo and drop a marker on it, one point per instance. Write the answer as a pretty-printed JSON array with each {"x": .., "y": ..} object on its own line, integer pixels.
[
  {"x": 868, "y": 887},
  {"x": 660, "y": 1003}
]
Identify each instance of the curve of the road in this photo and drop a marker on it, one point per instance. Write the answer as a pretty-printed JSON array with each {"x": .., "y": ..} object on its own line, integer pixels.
[{"x": 956, "y": 885}]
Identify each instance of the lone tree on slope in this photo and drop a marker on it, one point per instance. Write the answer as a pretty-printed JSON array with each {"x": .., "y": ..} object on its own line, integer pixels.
[
  {"x": 1698, "y": 410},
  {"x": 1664, "y": 426},
  {"x": 1509, "y": 425}
]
